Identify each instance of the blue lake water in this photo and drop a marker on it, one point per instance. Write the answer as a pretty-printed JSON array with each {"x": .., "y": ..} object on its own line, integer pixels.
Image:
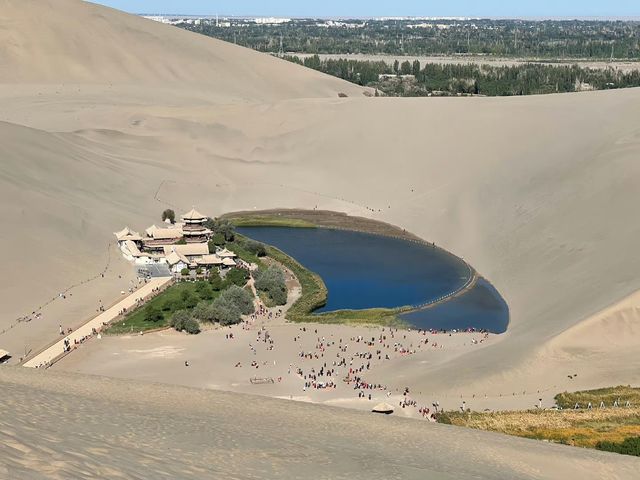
[
  {"x": 481, "y": 307},
  {"x": 363, "y": 270}
]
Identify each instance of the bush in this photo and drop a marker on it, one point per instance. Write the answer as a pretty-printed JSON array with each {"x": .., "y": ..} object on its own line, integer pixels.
[
  {"x": 191, "y": 326},
  {"x": 630, "y": 446},
  {"x": 225, "y": 312},
  {"x": 189, "y": 300},
  {"x": 256, "y": 248},
  {"x": 204, "y": 312},
  {"x": 184, "y": 272},
  {"x": 199, "y": 271},
  {"x": 214, "y": 280},
  {"x": 272, "y": 281},
  {"x": 222, "y": 227},
  {"x": 237, "y": 276},
  {"x": 240, "y": 298},
  {"x": 153, "y": 314},
  {"x": 217, "y": 240},
  {"x": 183, "y": 320},
  {"x": 204, "y": 290},
  {"x": 232, "y": 303},
  {"x": 442, "y": 417},
  {"x": 170, "y": 215}
]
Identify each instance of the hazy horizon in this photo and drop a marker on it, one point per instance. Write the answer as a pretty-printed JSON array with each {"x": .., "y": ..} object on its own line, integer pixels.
[{"x": 494, "y": 9}]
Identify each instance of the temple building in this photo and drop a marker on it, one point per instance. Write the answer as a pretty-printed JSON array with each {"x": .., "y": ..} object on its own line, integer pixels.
[
  {"x": 179, "y": 246},
  {"x": 126, "y": 234},
  {"x": 194, "y": 229}
]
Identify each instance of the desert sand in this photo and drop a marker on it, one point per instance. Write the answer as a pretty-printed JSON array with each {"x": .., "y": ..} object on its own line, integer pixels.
[
  {"x": 68, "y": 426},
  {"x": 111, "y": 119}
]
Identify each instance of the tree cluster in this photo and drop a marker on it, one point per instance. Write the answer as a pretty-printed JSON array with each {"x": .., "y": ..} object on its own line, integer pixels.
[
  {"x": 232, "y": 303},
  {"x": 185, "y": 320},
  {"x": 549, "y": 39},
  {"x": 472, "y": 79},
  {"x": 272, "y": 281},
  {"x": 223, "y": 230}
]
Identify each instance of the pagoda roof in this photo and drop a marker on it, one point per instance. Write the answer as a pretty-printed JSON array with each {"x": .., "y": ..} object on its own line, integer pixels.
[
  {"x": 210, "y": 260},
  {"x": 188, "y": 250},
  {"x": 127, "y": 234},
  {"x": 193, "y": 214},
  {"x": 175, "y": 257},
  {"x": 226, "y": 254},
  {"x": 228, "y": 262},
  {"x": 167, "y": 233},
  {"x": 133, "y": 249}
]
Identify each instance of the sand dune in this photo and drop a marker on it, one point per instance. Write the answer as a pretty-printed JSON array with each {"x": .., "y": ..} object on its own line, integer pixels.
[
  {"x": 90, "y": 427},
  {"x": 69, "y": 41},
  {"x": 108, "y": 120}
]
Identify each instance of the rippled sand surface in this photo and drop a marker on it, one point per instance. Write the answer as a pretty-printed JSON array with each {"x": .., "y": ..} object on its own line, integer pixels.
[{"x": 63, "y": 426}]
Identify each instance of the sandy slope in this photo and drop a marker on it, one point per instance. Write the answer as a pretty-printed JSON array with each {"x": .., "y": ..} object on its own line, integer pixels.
[
  {"x": 69, "y": 41},
  {"x": 111, "y": 428},
  {"x": 110, "y": 119}
]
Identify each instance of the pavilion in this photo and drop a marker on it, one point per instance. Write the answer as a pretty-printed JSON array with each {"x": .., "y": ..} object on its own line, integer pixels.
[
  {"x": 180, "y": 246},
  {"x": 194, "y": 228}
]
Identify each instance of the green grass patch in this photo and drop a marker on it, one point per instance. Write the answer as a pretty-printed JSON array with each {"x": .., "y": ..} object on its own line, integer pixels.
[
  {"x": 269, "y": 221},
  {"x": 266, "y": 299},
  {"x": 629, "y": 446},
  {"x": 386, "y": 317},
  {"x": 237, "y": 247},
  {"x": 611, "y": 429},
  {"x": 183, "y": 295},
  {"x": 621, "y": 393}
]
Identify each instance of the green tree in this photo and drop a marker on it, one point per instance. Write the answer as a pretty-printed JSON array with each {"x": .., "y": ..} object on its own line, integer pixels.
[
  {"x": 405, "y": 68},
  {"x": 396, "y": 66},
  {"x": 416, "y": 67},
  {"x": 217, "y": 240},
  {"x": 225, "y": 312},
  {"x": 239, "y": 297},
  {"x": 272, "y": 281},
  {"x": 170, "y": 215},
  {"x": 204, "y": 290},
  {"x": 256, "y": 248},
  {"x": 189, "y": 300},
  {"x": 222, "y": 226},
  {"x": 204, "y": 312},
  {"x": 214, "y": 280},
  {"x": 237, "y": 276},
  {"x": 191, "y": 326},
  {"x": 183, "y": 320},
  {"x": 153, "y": 314}
]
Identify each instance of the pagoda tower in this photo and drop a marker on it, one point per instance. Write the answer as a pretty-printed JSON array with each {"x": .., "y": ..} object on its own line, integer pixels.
[{"x": 194, "y": 229}]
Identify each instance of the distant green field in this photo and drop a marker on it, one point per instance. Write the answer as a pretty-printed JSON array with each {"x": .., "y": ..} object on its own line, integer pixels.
[
  {"x": 621, "y": 394},
  {"x": 270, "y": 221}
]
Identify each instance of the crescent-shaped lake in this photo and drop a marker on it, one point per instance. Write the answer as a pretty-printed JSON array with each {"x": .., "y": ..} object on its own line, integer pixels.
[{"x": 363, "y": 270}]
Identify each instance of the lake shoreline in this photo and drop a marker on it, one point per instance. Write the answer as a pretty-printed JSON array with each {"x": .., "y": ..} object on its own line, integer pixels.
[{"x": 391, "y": 316}]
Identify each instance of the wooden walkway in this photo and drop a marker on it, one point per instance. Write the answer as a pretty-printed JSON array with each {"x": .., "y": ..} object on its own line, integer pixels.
[{"x": 52, "y": 352}]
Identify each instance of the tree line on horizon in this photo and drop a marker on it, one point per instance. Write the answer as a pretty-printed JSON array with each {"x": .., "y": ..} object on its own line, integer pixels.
[
  {"x": 548, "y": 39},
  {"x": 471, "y": 78}
]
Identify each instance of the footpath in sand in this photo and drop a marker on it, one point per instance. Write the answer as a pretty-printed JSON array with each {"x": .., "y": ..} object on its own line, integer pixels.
[{"x": 54, "y": 351}]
